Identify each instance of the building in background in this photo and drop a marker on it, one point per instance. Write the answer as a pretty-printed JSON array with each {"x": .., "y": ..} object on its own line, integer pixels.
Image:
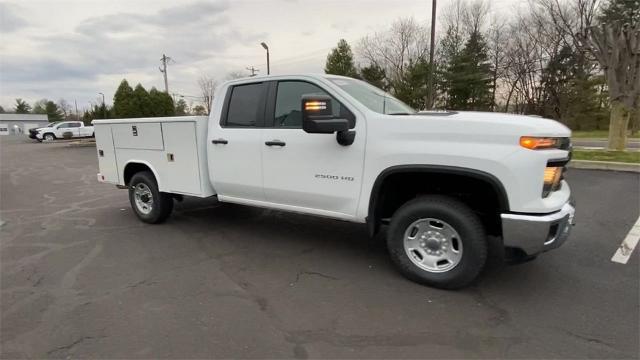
[{"x": 13, "y": 124}]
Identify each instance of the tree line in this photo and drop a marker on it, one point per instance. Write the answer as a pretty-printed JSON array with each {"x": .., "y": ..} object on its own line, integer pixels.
[
  {"x": 541, "y": 61},
  {"x": 128, "y": 102}
]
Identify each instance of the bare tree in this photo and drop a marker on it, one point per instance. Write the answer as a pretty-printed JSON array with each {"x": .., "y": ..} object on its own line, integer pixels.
[
  {"x": 65, "y": 107},
  {"x": 475, "y": 15},
  {"x": 392, "y": 50},
  {"x": 207, "y": 87},
  {"x": 569, "y": 18},
  {"x": 617, "y": 49}
]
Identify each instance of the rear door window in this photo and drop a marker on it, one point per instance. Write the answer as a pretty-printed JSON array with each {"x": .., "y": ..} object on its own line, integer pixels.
[{"x": 246, "y": 106}]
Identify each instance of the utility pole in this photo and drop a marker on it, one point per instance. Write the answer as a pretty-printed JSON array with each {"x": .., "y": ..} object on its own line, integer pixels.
[
  {"x": 430, "y": 92},
  {"x": 163, "y": 69},
  {"x": 253, "y": 71},
  {"x": 77, "y": 115},
  {"x": 104, "y": 108}
]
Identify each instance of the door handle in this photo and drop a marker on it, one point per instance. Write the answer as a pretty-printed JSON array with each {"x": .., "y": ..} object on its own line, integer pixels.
[
  {"x": 219, "y": 141},
  {"x": 275, "y": 143}
]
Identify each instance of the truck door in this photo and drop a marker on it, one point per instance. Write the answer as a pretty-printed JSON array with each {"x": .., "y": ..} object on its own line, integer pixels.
[
  {"x": 307, "y": 170},
  {"x": 75, "y": 128},
  {"x": 234, "y": 144},
  {"x": 66, "y": 127}
]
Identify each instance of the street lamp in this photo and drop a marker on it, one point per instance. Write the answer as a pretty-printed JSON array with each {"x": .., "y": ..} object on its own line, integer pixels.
[
  {"x": 266, "y": 48},
  {"x": 430, "y": 92},
  {"x": 104, "y": 108}
]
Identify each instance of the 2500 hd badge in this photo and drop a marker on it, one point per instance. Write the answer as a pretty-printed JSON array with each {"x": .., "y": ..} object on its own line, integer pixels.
[{"x": 334, "y": 177}]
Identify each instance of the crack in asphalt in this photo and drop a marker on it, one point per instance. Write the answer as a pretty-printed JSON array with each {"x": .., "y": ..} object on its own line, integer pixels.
[
  {"x": 312, "y": 273},
  {"x": 68, "y": 347}
]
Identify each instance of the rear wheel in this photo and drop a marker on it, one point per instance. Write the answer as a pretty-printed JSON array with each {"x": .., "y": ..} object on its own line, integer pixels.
[
  {"x": 437, "y": 241},
  {"x": 149, "y": 204}
]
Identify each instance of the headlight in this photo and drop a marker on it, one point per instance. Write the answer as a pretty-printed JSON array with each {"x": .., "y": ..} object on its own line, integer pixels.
[{"x": 552, "y": 177}]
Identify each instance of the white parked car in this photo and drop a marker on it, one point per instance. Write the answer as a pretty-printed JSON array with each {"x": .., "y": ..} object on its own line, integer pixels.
[
  {"x": 338, "y": 147},
  {"x": 56, "y": 130}
]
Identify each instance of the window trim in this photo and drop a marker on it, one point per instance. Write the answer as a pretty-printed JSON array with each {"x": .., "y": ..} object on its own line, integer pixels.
[
  {"x": 260, "y": 120},
  {"x": 270, "y": 109}
]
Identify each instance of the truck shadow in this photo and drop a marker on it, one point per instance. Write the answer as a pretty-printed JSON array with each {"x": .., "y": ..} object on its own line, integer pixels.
[{"x": 283, "y": 234}]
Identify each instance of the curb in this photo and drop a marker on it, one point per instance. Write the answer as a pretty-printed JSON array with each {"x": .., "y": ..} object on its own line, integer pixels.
[
  {"x": 604, "y": 165},
  {"x": 629, "y": 140},
  {"x": 82, "y": 144}
]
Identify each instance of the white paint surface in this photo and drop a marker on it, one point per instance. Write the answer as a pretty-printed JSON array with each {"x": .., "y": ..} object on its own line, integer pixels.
[{"x": 629, "y": 243}]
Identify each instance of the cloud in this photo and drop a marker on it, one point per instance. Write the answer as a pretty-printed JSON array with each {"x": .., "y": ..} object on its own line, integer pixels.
[
  {"x": 123, "y": 43},
  {"x": 9, "y": 21}
]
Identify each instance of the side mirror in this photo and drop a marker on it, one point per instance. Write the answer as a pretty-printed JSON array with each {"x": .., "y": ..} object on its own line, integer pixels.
[{"x": 318, "y": 118}]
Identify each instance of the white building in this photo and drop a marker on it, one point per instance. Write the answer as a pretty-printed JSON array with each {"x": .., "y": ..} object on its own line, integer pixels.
[{"x": 21, "y": 123}]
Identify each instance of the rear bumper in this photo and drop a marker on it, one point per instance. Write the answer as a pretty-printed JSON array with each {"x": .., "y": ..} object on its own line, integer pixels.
[{"x": 534, "y": 234}]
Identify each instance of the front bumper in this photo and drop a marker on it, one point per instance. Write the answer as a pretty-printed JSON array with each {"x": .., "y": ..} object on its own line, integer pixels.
[{"x": 534, "y": 234}]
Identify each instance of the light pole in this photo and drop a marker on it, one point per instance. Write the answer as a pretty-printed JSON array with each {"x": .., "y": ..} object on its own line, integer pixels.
[
  {"x": 104, "y": 108},
  {"x": 266, "y": 48},
  {"x": 430, "y": 94}
]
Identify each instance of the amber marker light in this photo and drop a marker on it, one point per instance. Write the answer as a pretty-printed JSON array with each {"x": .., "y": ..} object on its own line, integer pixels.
[
  {"x": 539, "y": 143},
  {"x": 315, "y": 105}
]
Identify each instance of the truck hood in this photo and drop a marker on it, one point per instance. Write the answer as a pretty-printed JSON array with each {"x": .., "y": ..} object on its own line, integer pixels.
[{"x": 500, "y": 124}]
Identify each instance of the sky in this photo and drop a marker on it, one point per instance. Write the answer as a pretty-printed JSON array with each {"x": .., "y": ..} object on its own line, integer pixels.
[{"x": 77, "y": 49}]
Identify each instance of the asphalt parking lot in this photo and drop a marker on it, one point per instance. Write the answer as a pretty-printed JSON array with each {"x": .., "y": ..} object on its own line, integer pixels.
[{"x": 81, "y": 277}]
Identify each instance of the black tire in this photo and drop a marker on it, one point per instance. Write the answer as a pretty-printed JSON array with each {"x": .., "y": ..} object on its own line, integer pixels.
[
  {"x": 162, "y": 202},
  {"x": 463, "y": 220}
]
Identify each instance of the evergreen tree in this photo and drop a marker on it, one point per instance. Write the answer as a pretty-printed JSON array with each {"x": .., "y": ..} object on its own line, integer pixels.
[
  {"x": 22, "y": 107},
  {"x": 467, "y": 78},
  {"x": 181, "y": 108},
  {"x": 161, "y": 103},
  {"x": 340, "y": 60},
  {"x": 1, "y": 110},
  {"x": 411, "y": 87},
  {"x": 141, "y": 104},
  {"x": 625, "y": 12},
  {"x": 122, "y": 100},
  {"x": 570, "y": 94},
  {"x": 375, "y": 75},
  {"x": 50, "y": 108}
]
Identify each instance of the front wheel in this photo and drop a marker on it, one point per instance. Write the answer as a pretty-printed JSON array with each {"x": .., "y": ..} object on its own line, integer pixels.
[
  {"x": 49, "y": 137},
  {"x": 438, "y": 241},
  {"x": 149, "y": 204}
]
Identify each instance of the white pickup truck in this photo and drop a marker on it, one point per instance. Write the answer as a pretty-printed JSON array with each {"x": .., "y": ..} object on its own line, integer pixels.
[
  {"x": 56, "y": 130},
  {"x": 338, "y": 147}
]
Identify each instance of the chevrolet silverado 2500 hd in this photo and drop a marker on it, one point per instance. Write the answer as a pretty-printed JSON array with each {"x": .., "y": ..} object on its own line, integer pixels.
[
  {"x": 338, "y": 147},
  {"x": 56, "y": 130}
]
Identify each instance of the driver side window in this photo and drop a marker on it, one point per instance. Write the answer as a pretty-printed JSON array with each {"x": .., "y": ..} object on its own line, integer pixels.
[{"x": 288, "y": 111}]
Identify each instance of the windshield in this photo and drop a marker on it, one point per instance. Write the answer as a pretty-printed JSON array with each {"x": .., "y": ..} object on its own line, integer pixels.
[
  {"x": 52, "y": 123},
  {"x": 372, "y": 97}
]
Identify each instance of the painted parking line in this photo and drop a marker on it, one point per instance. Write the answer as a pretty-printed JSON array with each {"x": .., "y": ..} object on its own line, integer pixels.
[{"x": 629, "y": 243}]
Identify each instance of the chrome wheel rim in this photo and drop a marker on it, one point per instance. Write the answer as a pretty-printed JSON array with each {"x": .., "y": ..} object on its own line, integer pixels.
[
  {"x": 433, "y": 245},
  {"x": 48, "y": 137},
  {"x": 143, "y": 198}
]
